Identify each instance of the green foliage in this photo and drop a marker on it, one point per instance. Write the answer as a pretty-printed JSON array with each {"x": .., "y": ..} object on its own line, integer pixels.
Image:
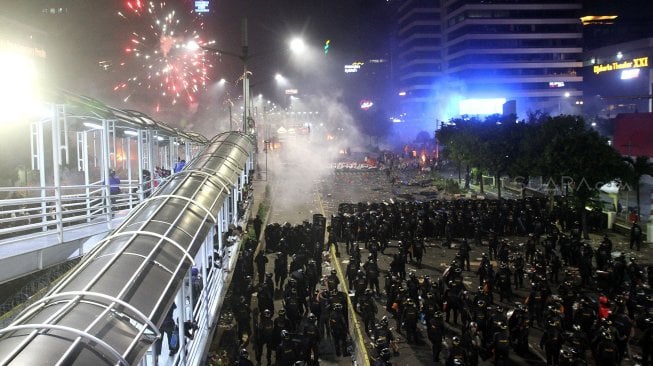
[
  {"x": 558, "y": 148},
  {"x": 452, "y": 186}
]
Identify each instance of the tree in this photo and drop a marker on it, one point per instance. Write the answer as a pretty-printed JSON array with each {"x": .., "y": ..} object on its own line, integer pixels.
[
  {"x": 500, "y": 145},
  {"x": 580, "y": 158},
  {"x": 637, "y": 168},
  {"x": 460, "y": 141}
]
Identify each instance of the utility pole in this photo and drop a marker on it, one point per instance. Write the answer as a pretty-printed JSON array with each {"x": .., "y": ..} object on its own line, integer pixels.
[{"x": 245, "y": 57}]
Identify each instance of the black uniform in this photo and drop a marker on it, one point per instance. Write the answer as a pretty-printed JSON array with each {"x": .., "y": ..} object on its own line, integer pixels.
[{"x": 339, "y": 330}]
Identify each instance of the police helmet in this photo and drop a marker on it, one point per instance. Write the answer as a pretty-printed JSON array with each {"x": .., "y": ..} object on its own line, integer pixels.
[
  {"x": 551, "y": 323},
  {"x": 267, "y": 313},
  {"x": 606, "y": 335},
  {"x": 384, "y": 321},
  {"x": 312, "y": 317},
  {"x": 385, "y": 354},
  {"x": 455, "y": 340}
]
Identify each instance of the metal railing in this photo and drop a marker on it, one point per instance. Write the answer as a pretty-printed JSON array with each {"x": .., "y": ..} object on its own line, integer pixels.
[{"x": 44, "y": 210}]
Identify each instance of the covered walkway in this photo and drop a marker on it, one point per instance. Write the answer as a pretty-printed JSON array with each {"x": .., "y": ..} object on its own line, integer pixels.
[{"x": 143, "y": 246}]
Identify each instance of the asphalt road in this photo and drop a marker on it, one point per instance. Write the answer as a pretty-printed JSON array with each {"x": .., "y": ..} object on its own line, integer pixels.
[{"x": 300, "y": 190}]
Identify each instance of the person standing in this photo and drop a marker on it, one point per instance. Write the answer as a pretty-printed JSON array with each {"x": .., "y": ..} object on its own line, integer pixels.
[
  {"x": 339, "y": 329},
  {"x": 258, "y": 224},
  {"x": 464, "y": 250},
  {"x": 179, "y": 166},
  {"x": 435, "y": 333},
  {"x": 264, "y": 336},
  {"x": 114, "y": 186},
  {"x": 169, "y": 327},
  {"x": 261, "y": 260},
  {"x": 280, "y": 270},
  {"x": 635, "y": 236}
]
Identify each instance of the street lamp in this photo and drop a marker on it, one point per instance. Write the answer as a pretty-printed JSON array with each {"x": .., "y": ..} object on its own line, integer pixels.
[
  {"x": 244, "y": 56},
  {"x": 296, "y": 46}
]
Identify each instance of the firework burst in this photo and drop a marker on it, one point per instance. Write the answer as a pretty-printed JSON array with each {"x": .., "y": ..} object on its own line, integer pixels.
[{"x": 164, "y": 59}]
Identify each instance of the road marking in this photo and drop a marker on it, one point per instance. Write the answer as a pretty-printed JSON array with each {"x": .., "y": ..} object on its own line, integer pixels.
[{"x": 336, "y": 264}]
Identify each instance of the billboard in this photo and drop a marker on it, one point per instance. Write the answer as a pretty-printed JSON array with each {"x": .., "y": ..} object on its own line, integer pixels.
[{"x": 202, "y": 6}]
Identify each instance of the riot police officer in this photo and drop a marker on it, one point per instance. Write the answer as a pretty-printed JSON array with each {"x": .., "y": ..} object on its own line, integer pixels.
[
  {"x": 551, "y": 342},
  {"x": 410, "y": 317},
  {"x": 372, "y": 274},
  {"x": 435, "y": 332},
  {"x": 501, "y": 345},
  {"x": 264, "y": 336},
  {"x": 457, "y": 354},
  {"x": 368, "y": 310},
  {"x": 311, "y": 338},
  {"x": 286, "y": 350},
  {"x": 339, "y": 329},
  {"x": 243, "y": 359}
]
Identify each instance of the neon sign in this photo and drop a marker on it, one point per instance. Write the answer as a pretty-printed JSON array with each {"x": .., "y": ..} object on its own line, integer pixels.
[
  {"x": 202, "y": 6},
  {"x": 636, "y": 63},
  {"x": 366, "y": 104},
  {"x": 353, "y": 67}
]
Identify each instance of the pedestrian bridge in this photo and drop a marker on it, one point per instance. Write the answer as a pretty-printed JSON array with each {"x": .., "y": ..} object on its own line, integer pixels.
[{"x": 139, "y": 247}]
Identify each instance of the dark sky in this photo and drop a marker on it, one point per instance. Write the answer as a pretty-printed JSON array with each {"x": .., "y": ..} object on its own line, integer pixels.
[{"x": 93, "y": 32}]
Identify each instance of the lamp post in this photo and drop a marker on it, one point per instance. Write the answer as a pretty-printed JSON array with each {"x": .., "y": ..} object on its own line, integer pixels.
[
  {"x": 297, "y": 46},
  {"x": 244, "y": 56}
]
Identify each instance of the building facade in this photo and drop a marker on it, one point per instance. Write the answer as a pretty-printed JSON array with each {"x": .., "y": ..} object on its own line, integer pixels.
[{"x": 528, "y": 51}]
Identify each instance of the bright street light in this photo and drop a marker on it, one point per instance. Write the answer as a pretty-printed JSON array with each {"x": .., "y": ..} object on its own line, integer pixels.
[
  {"x": 18, "y": 93},
  {"x": 297, "y": 45}
]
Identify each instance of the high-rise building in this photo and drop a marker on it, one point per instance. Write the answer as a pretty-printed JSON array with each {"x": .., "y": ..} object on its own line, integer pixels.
[
  {"x": 618, "y": 42},
  {"x": 529, "y": 51},
  {"x": 418, "y": 60}
]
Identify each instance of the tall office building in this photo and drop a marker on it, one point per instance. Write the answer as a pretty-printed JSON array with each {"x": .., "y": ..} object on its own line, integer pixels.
[
  {"x": 618, "y": 40},
  {"x": 418, "y": 59},
  {"x": 528, "y": 51}
]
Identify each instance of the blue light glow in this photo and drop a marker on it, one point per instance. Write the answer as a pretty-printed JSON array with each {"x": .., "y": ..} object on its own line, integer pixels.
[{"x": 481, "y": 106}]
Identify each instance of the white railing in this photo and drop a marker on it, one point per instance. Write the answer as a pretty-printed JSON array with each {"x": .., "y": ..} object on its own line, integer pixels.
[{"x": 39, "y": 211}]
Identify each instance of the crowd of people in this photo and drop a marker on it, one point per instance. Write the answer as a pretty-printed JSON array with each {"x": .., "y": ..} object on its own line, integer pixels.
[{"x": 587, "y": 304}]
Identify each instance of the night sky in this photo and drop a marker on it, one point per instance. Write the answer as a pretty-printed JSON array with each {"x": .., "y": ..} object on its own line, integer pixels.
[{"x": 92, "y": 32}]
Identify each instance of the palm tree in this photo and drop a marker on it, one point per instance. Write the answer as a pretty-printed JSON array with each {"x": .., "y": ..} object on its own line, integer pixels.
[{"x": 638, "y": 167}]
